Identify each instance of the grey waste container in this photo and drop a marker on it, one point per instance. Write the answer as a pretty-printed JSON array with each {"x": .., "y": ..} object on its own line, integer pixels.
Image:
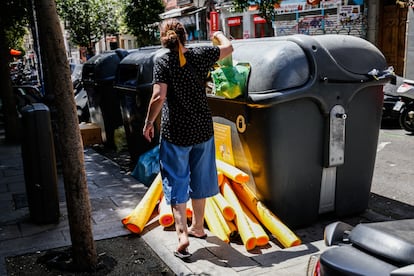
[
  {"x": 134, "y": 87},
  {"x": 98, "y": 75},
  {"x": 39, "y": 164},
  {"x": 308, "y": 127}
]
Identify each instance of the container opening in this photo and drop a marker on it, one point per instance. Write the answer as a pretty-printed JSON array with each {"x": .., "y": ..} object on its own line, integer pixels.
[{"x": 128, "y": 75}]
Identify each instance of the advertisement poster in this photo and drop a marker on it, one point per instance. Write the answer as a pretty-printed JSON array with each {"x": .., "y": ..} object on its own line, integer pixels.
[
  {"x": 288, "y": 6},
  {"x": 222, "y": 138},
  {"x": 349, "y": 14},
  {"x": 328, "y": 17}
]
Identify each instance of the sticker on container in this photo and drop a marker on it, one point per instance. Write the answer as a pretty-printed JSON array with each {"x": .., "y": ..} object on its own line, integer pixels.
[
  {"x": 224, "y": 147},
  {"x": 241, "y": 123}
]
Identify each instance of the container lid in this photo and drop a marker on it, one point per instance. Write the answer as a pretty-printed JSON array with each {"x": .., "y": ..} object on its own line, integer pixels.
[
  {"x": 354, "y": 54},
  {"x": 103, "y": 66},
  {"x": 136, "y": 68},
  {"x": 275, "y": 65}
]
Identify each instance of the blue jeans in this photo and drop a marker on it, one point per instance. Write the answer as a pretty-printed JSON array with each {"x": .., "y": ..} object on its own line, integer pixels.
[{"x": 188, "y": 172}]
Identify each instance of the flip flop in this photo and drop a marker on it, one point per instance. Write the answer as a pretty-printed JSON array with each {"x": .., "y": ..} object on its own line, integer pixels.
[
  {"x": 198, "y": 237},
  {"x": 182, "y": 254}
]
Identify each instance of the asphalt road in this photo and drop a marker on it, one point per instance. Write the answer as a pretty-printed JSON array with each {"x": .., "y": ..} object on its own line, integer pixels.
[{"x": 394, "y": 166}]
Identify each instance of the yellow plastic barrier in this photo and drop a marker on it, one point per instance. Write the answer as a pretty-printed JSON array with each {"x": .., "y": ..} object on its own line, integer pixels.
[
  {"x": 232, "y": 172},
  {"x": 220, "y": 216},
  {"x": 232, "y": 227},
  {"x": 220, "y": 176},
  {"x": 135, "y": 222},
  {"x": 246, "y": 233},
  {"x": 189, "y": 210},
  {"x": 166, "y": 217},
  {"x": 225, "y": 208},
  {"x": 261, "y": 237},
  {"x": 213, "y": 222},
  {"x": 284, "y": 235}
]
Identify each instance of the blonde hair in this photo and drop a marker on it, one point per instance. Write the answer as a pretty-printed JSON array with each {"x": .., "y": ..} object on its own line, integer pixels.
[{"x": 172, "y": 32}]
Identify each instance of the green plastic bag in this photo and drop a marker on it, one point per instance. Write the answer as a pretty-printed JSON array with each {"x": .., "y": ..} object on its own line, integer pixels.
[{"x": 230, "y": 81}]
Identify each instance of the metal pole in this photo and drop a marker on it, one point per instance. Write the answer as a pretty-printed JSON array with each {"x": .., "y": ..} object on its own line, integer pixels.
[{"x": 37, "y": 48}]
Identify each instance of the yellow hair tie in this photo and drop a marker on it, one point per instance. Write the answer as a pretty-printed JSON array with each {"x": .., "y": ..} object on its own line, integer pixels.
[
  {"x": 171, "y": 32},
  {"x": 181, "y": 56}
]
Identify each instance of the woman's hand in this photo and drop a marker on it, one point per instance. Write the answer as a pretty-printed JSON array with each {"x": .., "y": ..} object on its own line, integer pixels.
[{"x": 148, "y": 130}]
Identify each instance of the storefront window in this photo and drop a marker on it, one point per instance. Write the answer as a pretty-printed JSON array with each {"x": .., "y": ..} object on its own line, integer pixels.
[
  {"x": 261, "y": 27},
  {"x": 236, "y": 27},
  {"x": 190, "y": 26}
]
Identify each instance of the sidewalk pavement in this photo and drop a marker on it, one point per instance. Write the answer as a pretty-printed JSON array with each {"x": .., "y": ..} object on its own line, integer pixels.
[{"x": 114, "y": 195}]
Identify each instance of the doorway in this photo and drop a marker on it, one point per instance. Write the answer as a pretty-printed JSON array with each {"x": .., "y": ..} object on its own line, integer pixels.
[{"x": 392, "y": 31}]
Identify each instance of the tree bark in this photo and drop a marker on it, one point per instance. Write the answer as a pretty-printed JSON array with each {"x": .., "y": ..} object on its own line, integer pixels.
[
  {"x": 60, "y": 87},
  {"x": 11, "y": 119}
]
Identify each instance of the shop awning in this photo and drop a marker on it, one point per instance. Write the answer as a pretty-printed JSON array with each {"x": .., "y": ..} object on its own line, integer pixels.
[{"x": 174, "y": 12}]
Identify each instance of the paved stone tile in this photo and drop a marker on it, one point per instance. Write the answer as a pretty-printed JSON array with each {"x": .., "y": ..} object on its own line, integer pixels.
[
  {"x": 31, "y": 229},
  {"x": 109, "y": 230},
  {"x": 13, "y": 183},
  {"x": 129, "y": 200},
  {"x": 14, "y": 216},
  {"x": 29, "y": 244},
  {"x": 286, "y": 256},
  {"x": 6, "y": 204},
  {"x": 228, "y": 254},
  {"x": 107, "y": 215},
  {"x": 9, "y": 232}
]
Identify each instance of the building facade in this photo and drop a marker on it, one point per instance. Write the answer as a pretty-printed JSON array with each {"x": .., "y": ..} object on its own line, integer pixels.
[{"x": 381, "y": 22}]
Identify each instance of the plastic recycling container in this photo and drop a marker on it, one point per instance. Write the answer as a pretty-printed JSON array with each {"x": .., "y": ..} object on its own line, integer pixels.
[
  {"x": 308, "y": 126},
  {"x": 98, "y": 75},
  {"x": 134, "y": 87},
  {"x": 39, "y": 164}
]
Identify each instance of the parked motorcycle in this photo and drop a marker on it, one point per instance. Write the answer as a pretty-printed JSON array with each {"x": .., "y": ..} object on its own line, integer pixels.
[
  {"x": 27, "y": 94},
  {"x": 389, "y": 115},
  {"x": 379, "y": 248},
  {"x": 405, "y": 105}
]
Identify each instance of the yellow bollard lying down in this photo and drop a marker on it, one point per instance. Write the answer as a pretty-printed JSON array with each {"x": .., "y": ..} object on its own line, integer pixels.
[
  {"x": 232, "y": 172},
  {"x": 220, "y": 176},
  {"x": 211, "y": 217},
  {"x": 243, "y": 226},
  {"x": 225, "y": 208},
  {"x": 166, "y": 218},
  {"x": 135, "y": 222},
  {"x": 284, "y": 235},
  {"x": 261, "y": 237}
]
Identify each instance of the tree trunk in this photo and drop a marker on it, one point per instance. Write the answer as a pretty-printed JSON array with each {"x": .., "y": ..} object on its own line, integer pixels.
[
  {"x": 60, "y": 86},
  {"x": 11, "y": 119}
]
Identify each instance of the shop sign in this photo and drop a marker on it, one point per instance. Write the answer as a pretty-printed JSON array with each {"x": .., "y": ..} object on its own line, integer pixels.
[
  {"x": 258, "y": 19},
  {"x": 214, "y": 21},
  {"x": 233, "y": 21}
]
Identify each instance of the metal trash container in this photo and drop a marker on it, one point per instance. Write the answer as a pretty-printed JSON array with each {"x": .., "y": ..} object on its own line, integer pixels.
[
  {"x": 134, "y": 86},
  {"x": 39, "y": 164},
  {"x": 98, "y": 75},
  {"x": 308, "y": 127}
]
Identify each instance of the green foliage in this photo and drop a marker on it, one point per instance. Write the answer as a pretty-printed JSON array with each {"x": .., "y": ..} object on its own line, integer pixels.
[
  {"x": 14, "y": 19},
  {"x": 266, "y": 7},
  {"x": 141, "y": 18},
  {"x": 88, "y": 20}
]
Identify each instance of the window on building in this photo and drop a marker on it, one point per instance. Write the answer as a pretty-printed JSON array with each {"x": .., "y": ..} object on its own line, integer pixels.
[
  {"x": 262, "y": 28},
  {"x": 236, "y": 27}
]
